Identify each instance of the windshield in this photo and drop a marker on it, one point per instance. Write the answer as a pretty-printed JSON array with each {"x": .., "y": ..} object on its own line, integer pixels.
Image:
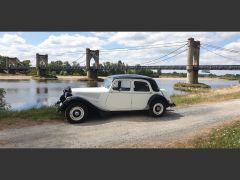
[{"x": 107, "y": 82}]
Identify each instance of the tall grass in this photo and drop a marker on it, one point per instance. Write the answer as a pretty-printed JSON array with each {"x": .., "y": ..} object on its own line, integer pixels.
[
  {"x": 38, "y": 114},
  {"x": 226, "y": 137},
  {"x": 208, "y": 96}
]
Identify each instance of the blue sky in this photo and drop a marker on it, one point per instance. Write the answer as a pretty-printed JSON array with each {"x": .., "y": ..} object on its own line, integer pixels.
[{"x": 71, "y": 46}]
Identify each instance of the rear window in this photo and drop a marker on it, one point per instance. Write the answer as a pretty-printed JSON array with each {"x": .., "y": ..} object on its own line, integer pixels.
[{"x": 140, "y": 86}]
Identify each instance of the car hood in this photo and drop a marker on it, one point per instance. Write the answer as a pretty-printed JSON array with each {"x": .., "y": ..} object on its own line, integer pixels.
[
  {"x": 95, "y": 95},
  {"x": 90, "y": 90}
]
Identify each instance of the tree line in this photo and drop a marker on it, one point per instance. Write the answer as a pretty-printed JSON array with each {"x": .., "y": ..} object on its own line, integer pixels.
[{"x": 108, "y": 68}]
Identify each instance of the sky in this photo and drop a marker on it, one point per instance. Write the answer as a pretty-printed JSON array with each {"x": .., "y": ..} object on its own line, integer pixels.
[{"x": 145, "y": 48}]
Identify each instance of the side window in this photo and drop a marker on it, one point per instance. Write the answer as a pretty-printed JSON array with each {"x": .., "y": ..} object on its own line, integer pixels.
[
  {"x": 122, "y": 85},
  {"x": 141, "y": 86}
]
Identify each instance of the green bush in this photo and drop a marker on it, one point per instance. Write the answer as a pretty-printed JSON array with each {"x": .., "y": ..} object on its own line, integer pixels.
[{"x": 3, "y": 104}]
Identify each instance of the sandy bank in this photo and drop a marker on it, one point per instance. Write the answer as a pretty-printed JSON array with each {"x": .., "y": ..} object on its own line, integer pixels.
[
  {"x": 15, "y": 77},
  {"x": 74, "y": 77}
]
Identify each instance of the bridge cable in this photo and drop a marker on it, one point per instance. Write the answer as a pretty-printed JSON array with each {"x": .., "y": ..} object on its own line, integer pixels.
[
  {"x": 147, "y": 45},
  {"x": 218, "y": 54},
  {"x": 217, "y": 47},
  {"x": 154, "y": 60},
  {"x": 135, "y": 49}
]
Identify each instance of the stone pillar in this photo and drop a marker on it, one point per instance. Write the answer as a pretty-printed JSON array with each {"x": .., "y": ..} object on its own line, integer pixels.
[
  {"x": 196, "y": 61},
  {"x": 189, "y": 66},
  {"x": 11, "y": 64},
  {"x": 41, "y": 65},
  {"x": 92, "y": 73}
]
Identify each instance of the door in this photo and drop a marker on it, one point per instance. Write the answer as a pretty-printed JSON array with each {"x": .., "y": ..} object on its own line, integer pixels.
[
  {"x": 119, "y": 98},
  {"x": 141, "y": 93}
]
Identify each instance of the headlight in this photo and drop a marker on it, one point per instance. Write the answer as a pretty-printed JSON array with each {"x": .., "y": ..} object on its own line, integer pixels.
[{"x": 67, "y": 92}]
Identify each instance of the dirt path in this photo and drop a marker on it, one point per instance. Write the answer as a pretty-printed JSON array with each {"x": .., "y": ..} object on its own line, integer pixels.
[{"x": 122, "y": 130}]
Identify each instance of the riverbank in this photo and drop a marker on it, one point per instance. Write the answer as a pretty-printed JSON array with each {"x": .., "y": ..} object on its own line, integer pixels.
[
  {"x": 184, "y": 78},
  {"x": 15, "y": 77},
  {"x": 212, "y": 95}
]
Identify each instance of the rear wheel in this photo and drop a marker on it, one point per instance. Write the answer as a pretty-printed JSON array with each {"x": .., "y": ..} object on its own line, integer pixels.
[
  {"x": 157, "y": 108},
  {"x": 76, "y": 112}
]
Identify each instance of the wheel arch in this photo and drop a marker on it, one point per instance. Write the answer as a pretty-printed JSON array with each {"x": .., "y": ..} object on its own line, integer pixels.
[{"x": 158, "y": 97}]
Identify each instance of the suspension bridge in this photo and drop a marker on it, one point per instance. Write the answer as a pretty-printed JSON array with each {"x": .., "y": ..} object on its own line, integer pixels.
[{"x": 191, "y": 48}]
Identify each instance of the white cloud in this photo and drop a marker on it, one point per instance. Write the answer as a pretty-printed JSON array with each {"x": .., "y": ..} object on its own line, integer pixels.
[
  {"x": 71, "y": 47},
  {"x": 103, "y": 34},
  {"x": 11, "y": 39},
  {"x": 13, "y": 45}
]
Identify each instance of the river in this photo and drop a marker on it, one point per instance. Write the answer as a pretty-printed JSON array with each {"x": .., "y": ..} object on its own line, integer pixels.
[{"x": 25, "y": 94}]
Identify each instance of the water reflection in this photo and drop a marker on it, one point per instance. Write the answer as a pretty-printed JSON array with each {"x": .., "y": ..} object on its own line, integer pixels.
[
  {"x": 42, "y": 97},
  {"x": 92, "y": 83},
  {"x": 42, "y": 90}
]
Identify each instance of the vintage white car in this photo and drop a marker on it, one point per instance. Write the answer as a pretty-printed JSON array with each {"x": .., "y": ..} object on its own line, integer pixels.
[{"x": 126, "y": 92}]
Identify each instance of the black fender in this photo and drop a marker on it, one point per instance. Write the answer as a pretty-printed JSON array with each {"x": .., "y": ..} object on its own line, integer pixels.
[
  {"x": 75, "y": 99},
  {"x": 158, "y": 97}
]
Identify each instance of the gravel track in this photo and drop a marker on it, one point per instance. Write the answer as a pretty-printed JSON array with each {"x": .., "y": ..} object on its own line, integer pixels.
[{"x": 121, "y": 129}]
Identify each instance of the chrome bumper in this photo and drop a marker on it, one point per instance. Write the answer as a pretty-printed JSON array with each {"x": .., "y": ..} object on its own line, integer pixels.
[
  {"x": 58, "y": 105},
  {"x": 172, "y": 104}
]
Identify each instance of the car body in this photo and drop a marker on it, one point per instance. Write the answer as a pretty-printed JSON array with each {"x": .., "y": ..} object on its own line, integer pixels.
[{"x": 126, "y": 92}]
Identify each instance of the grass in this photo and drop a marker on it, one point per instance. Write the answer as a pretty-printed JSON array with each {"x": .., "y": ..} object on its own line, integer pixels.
[
  {"x": 33, "y": 114},
  {"x": 225, "y": 137},
  {"x": 208, "y": 96},
  {"x": 191, "y": 87},
  {"x": 230, "y": 78}
]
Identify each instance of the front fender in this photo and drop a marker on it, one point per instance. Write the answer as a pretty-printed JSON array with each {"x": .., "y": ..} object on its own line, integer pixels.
[{"x": 75, "y": 99}]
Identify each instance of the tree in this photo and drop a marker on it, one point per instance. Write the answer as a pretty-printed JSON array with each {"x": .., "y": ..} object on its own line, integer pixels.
[
  {"x": 75, "y": 64},
  {"x": 2, "y": 61},
  {"x": 26, "y": 63}
]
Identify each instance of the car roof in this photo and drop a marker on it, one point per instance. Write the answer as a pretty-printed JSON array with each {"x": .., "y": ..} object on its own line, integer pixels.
[
  {"x": 136, "y": 76},
  {"x": 129, "y": 76}
]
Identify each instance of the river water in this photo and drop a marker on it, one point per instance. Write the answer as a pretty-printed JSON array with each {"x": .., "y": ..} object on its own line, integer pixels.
[{"x": 24, "y": 94}]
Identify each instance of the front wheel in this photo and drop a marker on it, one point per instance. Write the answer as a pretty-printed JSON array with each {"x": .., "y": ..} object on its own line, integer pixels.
[
  {"x": 76, "y": 112},
  {"x": 157, "y": 108}
]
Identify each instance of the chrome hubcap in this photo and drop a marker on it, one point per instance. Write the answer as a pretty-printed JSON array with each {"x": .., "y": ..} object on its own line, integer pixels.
[
  {"x": 158, "y": 108},
  {"x": 76, "y": 113}
]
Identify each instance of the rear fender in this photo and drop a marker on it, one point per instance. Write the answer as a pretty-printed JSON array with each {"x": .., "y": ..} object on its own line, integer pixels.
[{"x": 160, "y": 98}]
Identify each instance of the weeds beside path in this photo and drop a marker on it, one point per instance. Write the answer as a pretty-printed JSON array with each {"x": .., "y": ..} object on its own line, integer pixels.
[{"x": 9, "y": 119}]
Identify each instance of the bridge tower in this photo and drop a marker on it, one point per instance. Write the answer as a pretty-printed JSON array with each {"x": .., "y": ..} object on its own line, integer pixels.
[
  {"x": 11, "y": 65},
  {"x": 41, "y": 64},
  {"x": 92, "y": 72},
  {"x": 196, "y": 55},
  {"x": 193, "y": 61}
]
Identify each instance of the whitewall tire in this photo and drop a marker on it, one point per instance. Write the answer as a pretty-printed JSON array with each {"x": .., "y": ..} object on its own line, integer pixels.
[
  {"x": 76, "y": 112},
  {"x": 157, "y": 108}
]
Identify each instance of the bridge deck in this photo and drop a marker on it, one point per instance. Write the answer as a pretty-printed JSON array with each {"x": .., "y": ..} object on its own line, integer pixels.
[{"x": 170, "y": 67}]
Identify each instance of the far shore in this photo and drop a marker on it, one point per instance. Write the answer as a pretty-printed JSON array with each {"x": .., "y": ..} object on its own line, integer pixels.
[{"x": 23, "y": 77}]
